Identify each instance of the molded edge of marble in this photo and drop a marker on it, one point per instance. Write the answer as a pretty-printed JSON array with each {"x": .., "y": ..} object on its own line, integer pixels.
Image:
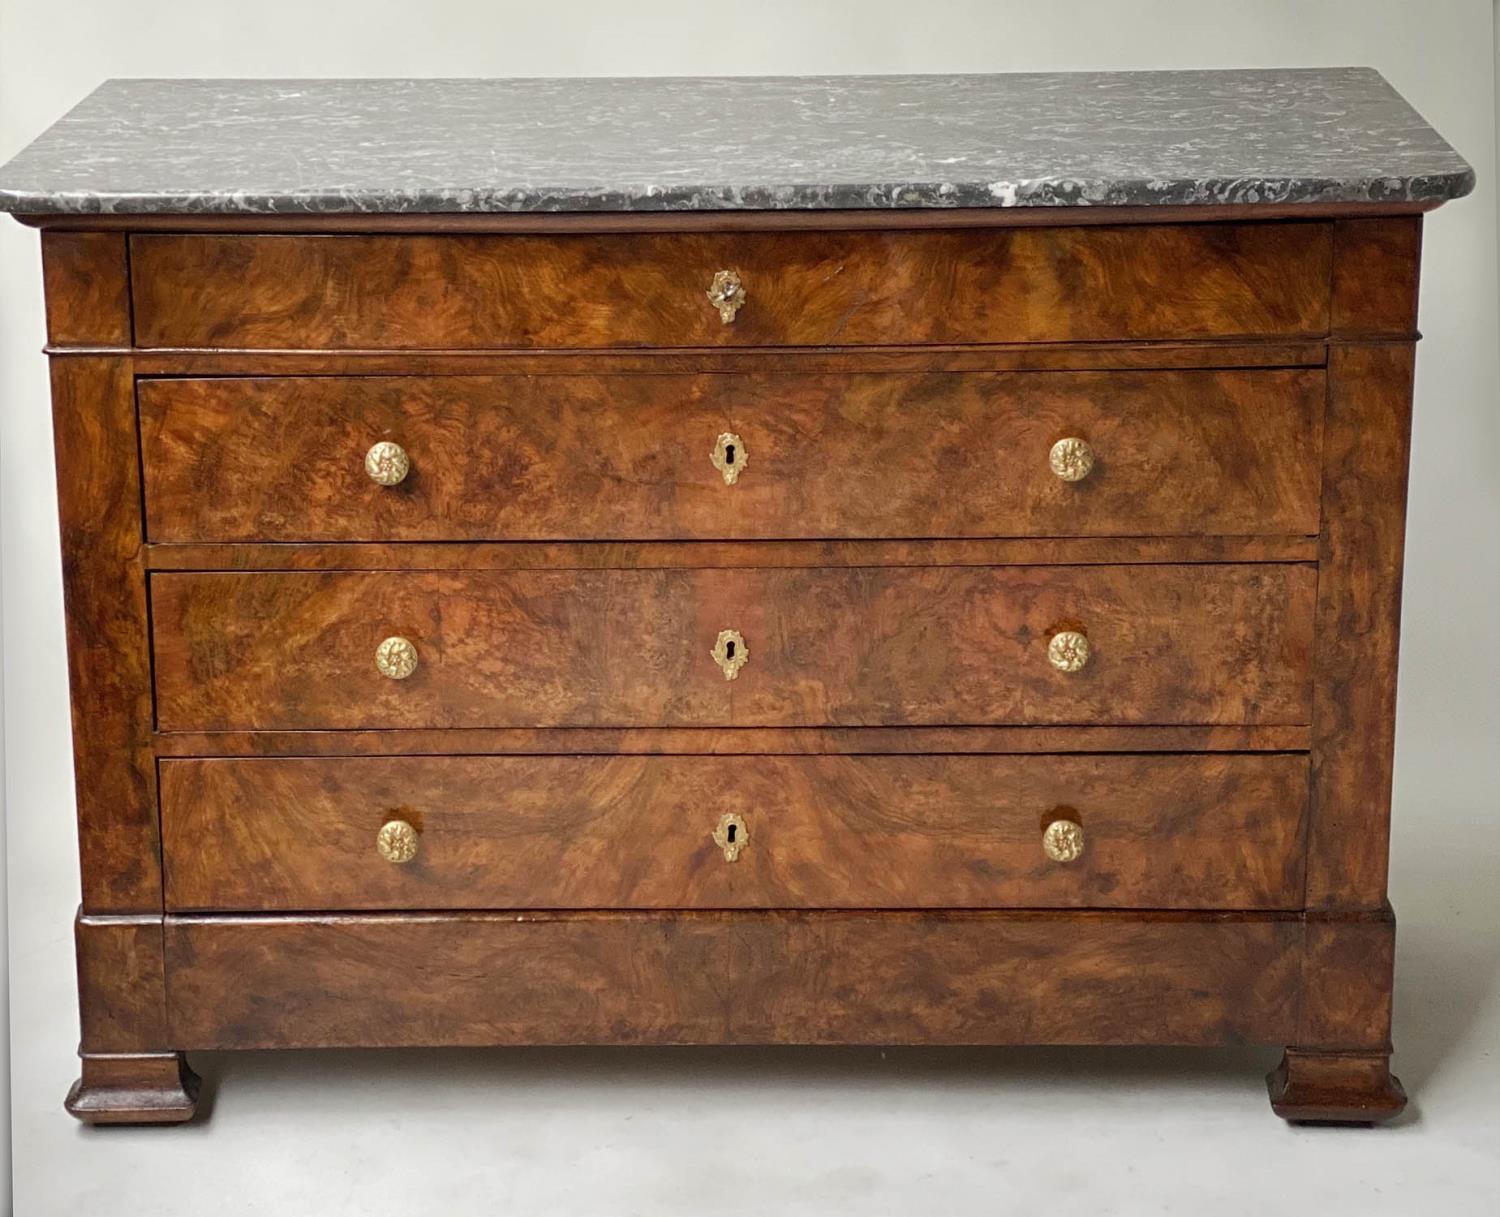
[{"x": 1429, "y": 189}]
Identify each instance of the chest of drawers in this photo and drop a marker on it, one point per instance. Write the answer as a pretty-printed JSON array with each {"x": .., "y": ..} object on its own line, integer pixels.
[{"x": 851, "y": 614}]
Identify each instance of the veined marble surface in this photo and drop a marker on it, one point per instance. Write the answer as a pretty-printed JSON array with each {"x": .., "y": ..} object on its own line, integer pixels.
[{"x": 687, "y": 144}]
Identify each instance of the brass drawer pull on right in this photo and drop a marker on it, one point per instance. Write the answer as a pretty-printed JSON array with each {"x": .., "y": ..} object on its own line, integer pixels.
[
  {"x": 1062, "y": 838},
  {"x": 1071, "y": 459},
  {"x": 396, "y": 658},
  {"x": 731, "y": 836},
  {"x": 1068, "y": 651}
]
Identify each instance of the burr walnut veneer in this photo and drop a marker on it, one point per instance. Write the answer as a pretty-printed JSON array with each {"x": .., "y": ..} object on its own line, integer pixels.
[{"x": 812, "y": 626}]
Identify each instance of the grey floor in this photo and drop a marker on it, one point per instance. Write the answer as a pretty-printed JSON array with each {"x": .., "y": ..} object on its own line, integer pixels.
[{"x": 800, "y": 1131}]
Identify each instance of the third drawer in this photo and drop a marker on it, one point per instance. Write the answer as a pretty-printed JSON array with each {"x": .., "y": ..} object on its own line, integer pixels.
[
  {"x": 1063, "y": 831},
  {"x": 861, "y": 646}
]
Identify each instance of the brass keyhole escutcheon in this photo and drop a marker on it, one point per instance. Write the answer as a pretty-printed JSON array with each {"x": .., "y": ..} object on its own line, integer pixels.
[
  {"x": 729, "y": 457},
  {"x": 730, "y": 653},
  {"x": 726, "y": 293},
  {"x": 731, "y": 835}
]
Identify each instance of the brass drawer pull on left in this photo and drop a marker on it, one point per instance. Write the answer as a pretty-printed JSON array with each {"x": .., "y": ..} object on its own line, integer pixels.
[
  {"x": 397, "y": 841},
  {"x": 731, "y": 836},
  {"x": 730, "y": 653},
  {"x": 1068, "y": 651},
  {"x": 387, "y": 463},
  {"x": 396, "y": 658},
  {"x": 726, "y": 293},
  {"x": 729, "y": 457}
]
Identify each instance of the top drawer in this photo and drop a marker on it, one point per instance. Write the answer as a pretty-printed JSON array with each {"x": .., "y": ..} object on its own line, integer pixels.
[{"x": 1081, "y": 284}]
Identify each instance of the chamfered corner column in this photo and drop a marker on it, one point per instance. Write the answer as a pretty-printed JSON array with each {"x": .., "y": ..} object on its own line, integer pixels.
[
  {"x": 130, "y": 1072},
  {"x": 1338, "y": 1070}
]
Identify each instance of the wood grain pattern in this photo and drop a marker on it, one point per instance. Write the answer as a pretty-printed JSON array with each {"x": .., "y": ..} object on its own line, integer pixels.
[
  {"x": 804, "y": 289},
  {"x": 716, "y": 555},
  {"x": 134, "y": 1088},
  {"x": 1367, "y": 446},
  {"x": 109, "y": 665},
  {"x": 1347, "y": 977},
  {"x": 1335, "y": 1088},
  {"x": 823, "y": 832},
  {"x": 623, "y": 978},
  {"x": 627, "y": 457},
  {"x": 86, "y": 276},
  {"x": 1200, "y": 644},
  {"x": 121, "y": 983},
  {"x": 1376, "y": 266},
  {"x": 731, "y": 741}
]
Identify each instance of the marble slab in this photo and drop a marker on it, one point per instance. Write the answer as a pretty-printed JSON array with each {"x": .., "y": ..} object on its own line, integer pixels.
[{"x": 271, "y": 147}]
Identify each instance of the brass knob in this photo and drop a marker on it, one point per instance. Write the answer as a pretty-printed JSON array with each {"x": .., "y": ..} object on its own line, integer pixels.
[
  {"x": 1071, "y": 459},
  {"x": 1062, "y": 840},
  {"x": 396, "y": 658},
  {"x": 726, "y": 293},
  {"x": 730, "y": 653},
  {"x": 729, "y": 457},
  {"x": 730, "y": 835},
  {"x": 397, "y": 841},
  {"x": 1068, "y": 651},
  {"x": 387, "y": 463}
]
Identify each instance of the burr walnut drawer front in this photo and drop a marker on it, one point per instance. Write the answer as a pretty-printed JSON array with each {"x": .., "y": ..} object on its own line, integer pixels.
[
  {"x": 872, "y": 646},
  {"x": 1068, "y": 284},
  {"x": 660, "y": 457},
  {"x": 1209, "y": 831}
]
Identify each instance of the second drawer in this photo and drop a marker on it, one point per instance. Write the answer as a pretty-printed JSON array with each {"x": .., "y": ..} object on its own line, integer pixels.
[
  {"x": 1074, "y": 831},
  {"x": 662, "y": 457}
]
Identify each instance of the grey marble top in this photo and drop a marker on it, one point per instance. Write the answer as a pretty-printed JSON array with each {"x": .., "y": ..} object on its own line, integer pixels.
[{"x": 681, "y": 144}]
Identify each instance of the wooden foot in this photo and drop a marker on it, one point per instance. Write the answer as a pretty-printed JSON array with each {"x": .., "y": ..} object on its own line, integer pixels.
[
  {"x": 1335, "y": 1088},
  {"x": 150, "y": 1088}
]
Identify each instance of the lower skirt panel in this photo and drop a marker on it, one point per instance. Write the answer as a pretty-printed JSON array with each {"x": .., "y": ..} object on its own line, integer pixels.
[{"x": 377, "y": 980}]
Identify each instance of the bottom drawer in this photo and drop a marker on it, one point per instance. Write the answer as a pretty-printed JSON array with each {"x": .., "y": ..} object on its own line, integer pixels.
[
  {"x": 707, "y": 832},
  {"x": 720, "y": 977}
]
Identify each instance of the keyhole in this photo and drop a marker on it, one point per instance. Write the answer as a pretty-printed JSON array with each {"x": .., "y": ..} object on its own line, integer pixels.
[
  {"x": 729, "y": 649},
  {"x": 729, "y": 454},
  {"x": 729, "y": 836}
]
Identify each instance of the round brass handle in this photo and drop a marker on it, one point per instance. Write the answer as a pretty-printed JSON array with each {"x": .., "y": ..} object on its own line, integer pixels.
[
  {"x": 1068, "y": 651},
  {"x": 1071, "y": 459},
  {"x": 726, "y": 293},
  {"x": 387, "y": 463},
  {"x": 1062, "y": 840},
  {"x": 397, "y": 841},
  {"x": 396, "y": 658}
]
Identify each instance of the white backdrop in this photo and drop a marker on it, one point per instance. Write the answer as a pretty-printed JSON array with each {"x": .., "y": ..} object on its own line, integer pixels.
[{"x": 599, "y": 1133}]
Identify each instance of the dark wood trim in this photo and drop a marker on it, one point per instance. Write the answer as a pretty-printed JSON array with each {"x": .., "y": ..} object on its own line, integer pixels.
[
  {"x": 718, "y": 221},
  {"x": 1101, "y": 356},
  {"x": 1335, "y": 1088},
  {"x": 109, "y": 663},
  {"x": 1366, "y": 446},
  {"x": 715, "y": 555},
  {"x": 731, "y": 741},
  {"x": 121, "y": 983}
]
